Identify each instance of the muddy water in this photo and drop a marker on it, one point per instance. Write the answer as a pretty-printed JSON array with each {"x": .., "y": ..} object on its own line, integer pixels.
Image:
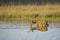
[{"x": 10, "y": 31}]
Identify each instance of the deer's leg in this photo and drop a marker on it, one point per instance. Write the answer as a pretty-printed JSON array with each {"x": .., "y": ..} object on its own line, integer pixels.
[{"x": 31, "y": 29}]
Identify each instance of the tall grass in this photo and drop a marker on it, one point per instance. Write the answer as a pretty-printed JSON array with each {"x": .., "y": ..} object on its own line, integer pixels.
[{"x": 28, "y": 12}]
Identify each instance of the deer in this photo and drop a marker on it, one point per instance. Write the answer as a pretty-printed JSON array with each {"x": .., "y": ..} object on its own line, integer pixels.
[{"x": 40, "y": 25}]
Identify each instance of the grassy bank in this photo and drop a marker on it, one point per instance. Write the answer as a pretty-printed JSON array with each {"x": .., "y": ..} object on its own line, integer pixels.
[{"x": 28, "y": 12}]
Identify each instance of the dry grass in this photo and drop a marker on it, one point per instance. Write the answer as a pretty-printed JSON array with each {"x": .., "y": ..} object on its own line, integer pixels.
[
  {"x": 27, "y": 11},
  {"x": 30, "y": 9}
]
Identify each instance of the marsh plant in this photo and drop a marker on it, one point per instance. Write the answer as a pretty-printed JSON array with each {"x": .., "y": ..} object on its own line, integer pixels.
[{"x": 28, "y": 12}]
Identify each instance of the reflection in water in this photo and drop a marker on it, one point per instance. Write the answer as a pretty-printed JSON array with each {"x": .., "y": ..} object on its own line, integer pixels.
[{"x": 21, "y": 25}]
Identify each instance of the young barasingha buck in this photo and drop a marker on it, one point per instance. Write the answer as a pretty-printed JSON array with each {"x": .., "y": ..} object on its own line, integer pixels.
[{"x": 40, "y": 25}]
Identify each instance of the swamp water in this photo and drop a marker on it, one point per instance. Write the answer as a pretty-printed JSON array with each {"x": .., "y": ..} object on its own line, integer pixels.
[{"x": 10, "y": 31}]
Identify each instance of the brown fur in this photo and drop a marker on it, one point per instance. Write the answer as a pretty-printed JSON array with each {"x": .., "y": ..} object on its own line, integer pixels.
[{"x": 40, "y": 25}]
